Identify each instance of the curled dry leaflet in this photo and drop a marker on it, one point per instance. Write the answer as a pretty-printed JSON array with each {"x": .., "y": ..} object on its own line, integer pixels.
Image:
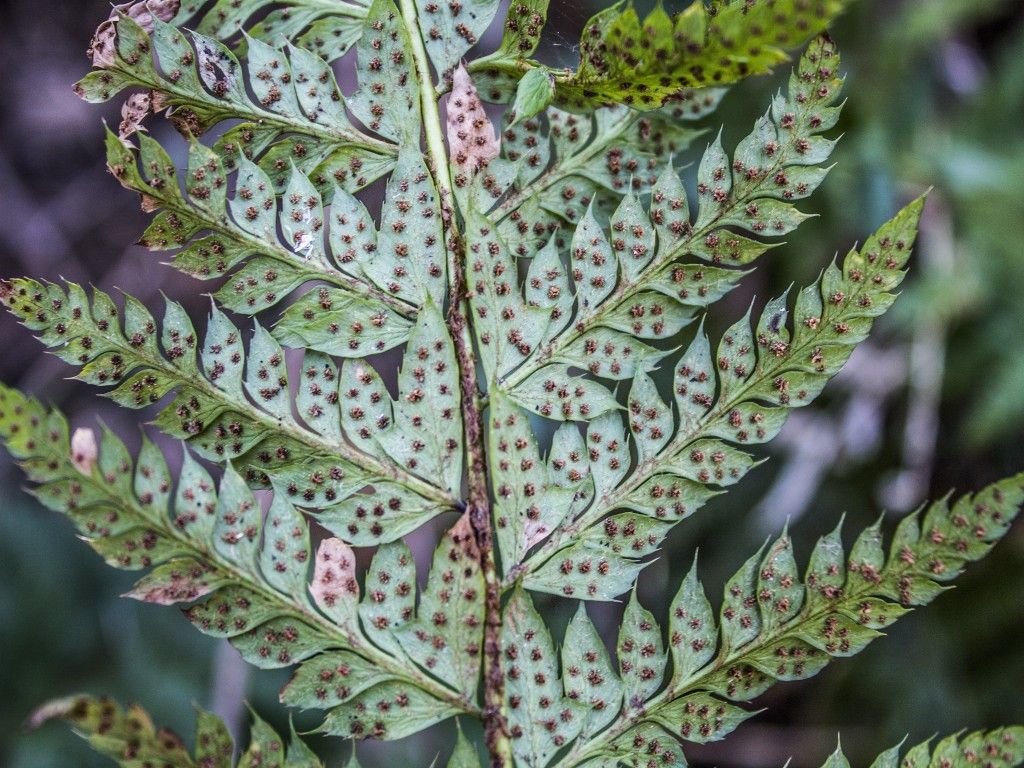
[{"x": 558, "y": 406}]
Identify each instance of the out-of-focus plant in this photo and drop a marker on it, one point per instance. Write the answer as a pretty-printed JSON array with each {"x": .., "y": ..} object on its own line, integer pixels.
[{"x": 937, "y": 111}]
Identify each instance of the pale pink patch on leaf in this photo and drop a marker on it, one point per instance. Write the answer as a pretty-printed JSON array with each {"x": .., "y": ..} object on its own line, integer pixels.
[
  {"x": 471, "y": 138},
  {"x": 334, "y": 586},
  {"x": 536, "y": 532},
  {"x": 180, "y": 581},
  {"x": 133, "y": 112},
  {"x": 84, "y": 450}
]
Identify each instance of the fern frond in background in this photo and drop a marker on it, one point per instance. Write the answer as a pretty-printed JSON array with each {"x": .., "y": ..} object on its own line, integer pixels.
[{"x": 506, "y": 353}]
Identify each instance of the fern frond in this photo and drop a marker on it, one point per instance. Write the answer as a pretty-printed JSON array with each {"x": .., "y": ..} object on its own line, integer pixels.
[
  {"x": 128, "y": 737},
  {"x": 396, "y": 268},
  {"x": 774, "y": 628},
  {"x": 464, "y": 755},
  {"x": 232, "y": 410},
  {"x": 680, "y": 460},
  {"x": 531, "y": 281},
  {"x": 203, "y": 83},
  {"x": 645, "y": 64},
  {"x": 567, "y": 161},
  {"x": 329, "y": 27},
  {"x": 449, "y": 30},
  {"x": 214, "y": 234},
  {"x": 1000, "y": 748},
  {"x": 773, "y": 166},
  {"x": 242, "y": 577},
  {"x": 741, "y": 395},
  {"x": 387, "y": 101},
  {"x": 393, "y": 269},
  {"x": 541, "y": 718},
  {"x": 447, "y": 636}
]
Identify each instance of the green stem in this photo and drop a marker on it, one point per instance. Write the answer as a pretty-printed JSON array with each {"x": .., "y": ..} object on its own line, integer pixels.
[{"x": 496, "y": 733}]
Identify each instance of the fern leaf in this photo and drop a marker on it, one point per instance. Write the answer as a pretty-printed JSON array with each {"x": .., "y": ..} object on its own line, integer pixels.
[
  {"x": 640, "y": 654},
  {"x": 722, "y": 400},
  {"x": 644, "y": 745},
  {"x": 464, "y": 755},
  {"x": 330, "y": 679},
  {"x": 335, "y": 322},
  {"x": 535, "y": 277},
  {"x": 1003, "y": 747},
  {"x": 472, "y": 144},
  {"x": 240, "y": 579},
  {"x": 318, "y": 395},
  {"x": 585, "y": 571},
  {"x": 775, "y": 628},
  {"x": 334, "y": 586},
  {"x": 507, "y": 329},
  {"x": 566, "y": 162},
  {"x": 426, "y": 437},
  {"x": 128, "y": 737},
  {"x": 772, "y": 166},
  {"x": 329, "y": 28},
  {"x": 589, "y": 679},
  {"x": 203, "y": 83},
  {"x": 301, "y": 94},
  {"x": 540, "y": 720},
  {"x": 363, "y": 316},
  {"x": 522, "y": 28},
  {"x": 387, "y": 101},
  {"x": 379, "y": 513},
  {"x": 692, "y": 638},
  {"x": 387, "y": 711},
  {"x": 212, "y": 411},
  {"x": 531, "y": 498},
  {"x": 624, "y": 60},
  {"x": 449, "y": 30},
  {"x": 285, "y": 555},
  {"x": 389, "y": 600},
  {"x": 410, "y": 259},
  {"x": 366, "y": 407},
  {"x": 535, "y": 92},
  {"x": 446, "y": 637},
  {"x": 700, "y": 718}
]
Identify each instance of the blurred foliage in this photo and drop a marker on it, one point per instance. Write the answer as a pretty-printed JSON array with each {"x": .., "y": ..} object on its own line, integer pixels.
[
  {"x": 936, "y": 98},
  {"x": 942, "y": 106}
]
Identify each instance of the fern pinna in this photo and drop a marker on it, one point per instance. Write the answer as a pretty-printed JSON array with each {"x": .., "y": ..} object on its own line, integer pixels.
[{"x": 558, "y": 406}]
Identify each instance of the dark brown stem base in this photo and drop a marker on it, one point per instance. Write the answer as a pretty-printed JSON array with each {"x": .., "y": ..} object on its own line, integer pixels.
[{"x": 496, "y": 734}]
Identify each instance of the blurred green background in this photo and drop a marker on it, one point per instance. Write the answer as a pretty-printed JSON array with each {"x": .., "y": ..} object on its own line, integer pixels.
[{"x": 935, "y": 400}]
